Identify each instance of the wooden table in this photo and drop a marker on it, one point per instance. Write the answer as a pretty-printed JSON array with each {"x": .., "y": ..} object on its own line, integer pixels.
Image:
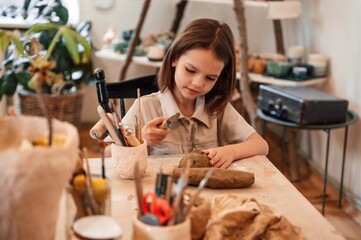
[{"x": 270, "y": 188}]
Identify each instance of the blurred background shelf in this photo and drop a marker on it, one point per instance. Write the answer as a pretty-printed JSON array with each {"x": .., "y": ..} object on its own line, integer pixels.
[
  {"x": 259, "y": 78},
  {"x": 142, "y": 60}
]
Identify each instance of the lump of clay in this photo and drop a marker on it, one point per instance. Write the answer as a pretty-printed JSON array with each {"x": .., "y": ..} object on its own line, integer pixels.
[
  {"x": 220, "y": 178},
  {"x": 197, "y": 159}
]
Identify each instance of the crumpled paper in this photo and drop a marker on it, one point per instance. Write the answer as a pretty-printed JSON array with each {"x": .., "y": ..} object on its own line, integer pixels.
[
  {"x": 235, "y": 217},
  {"x": 199, "y": 215},
  {"x": 32, "y": 179}
]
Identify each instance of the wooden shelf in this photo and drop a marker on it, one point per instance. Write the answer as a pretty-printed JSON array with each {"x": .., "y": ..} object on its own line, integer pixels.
[
  {"x": 141, "y": 60},
  {"x": 276, "y": 9},
  {"x": 17, "y": 23},
  {"x": 259, "y": 78},
  {"x": 246, "y": 2}
]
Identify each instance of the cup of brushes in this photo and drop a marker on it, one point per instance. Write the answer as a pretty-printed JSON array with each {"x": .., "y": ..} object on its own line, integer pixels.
[
  {"x": 90, "y": 194},
  {"x": 157, "y": 218},
  {"x": 127, "y": 148}
]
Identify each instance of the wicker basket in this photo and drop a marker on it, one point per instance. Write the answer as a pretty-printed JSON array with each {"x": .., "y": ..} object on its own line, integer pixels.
[{"x": 65, "y": 107}]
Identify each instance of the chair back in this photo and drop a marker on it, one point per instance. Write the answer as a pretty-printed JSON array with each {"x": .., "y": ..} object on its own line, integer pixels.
[{"x": 127, "y": 89}]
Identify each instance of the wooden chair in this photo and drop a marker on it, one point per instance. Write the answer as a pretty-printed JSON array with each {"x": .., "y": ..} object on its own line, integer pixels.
[{"x": 127, "y": 89}]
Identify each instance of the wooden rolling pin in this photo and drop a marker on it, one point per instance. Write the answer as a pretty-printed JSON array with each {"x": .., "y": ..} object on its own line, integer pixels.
[{"x": 98, "y": 131}]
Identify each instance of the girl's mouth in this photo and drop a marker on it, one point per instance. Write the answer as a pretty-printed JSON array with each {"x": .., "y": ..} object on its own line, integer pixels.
[{"x": 192, "y": 91}]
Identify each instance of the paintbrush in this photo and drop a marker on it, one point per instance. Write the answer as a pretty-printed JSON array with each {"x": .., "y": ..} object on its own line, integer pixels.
[
  {"x": 138, "y": 187},
  {"x": 117, "y": 119},
  {"x": 195, "y": 195},
  {"x": 139, "y": 118},
  {"x": 102, "y": 146},
  {"x": 88, "y": 182},
  {"x": 114, "y": 132},
  {"x": 179, "y": 191}
]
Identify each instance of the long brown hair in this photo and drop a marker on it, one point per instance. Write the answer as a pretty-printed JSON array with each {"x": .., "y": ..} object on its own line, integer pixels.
[{"x": 211, "y": 35}]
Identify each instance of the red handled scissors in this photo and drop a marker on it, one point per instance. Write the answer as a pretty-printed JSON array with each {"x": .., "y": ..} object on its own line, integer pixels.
[{"x": 156, "y": 206}]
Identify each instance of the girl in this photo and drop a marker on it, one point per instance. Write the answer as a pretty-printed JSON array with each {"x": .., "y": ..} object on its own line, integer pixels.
[{"x": 197, "y": 79}]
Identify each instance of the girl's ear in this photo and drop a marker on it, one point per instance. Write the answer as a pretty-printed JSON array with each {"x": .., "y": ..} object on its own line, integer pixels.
[{"x": 174, "y": 63}]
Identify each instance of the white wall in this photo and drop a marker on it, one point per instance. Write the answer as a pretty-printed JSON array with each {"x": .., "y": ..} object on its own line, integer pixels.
[
  {"x": 323, "y": 28},
  {"x": 336, "y": 33}
]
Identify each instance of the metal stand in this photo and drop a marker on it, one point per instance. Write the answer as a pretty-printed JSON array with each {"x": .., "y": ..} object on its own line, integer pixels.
[{"x": 351, "y": 118}]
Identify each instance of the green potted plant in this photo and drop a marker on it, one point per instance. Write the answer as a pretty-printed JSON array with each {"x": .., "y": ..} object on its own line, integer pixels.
[{"x": 51, "y": 55}]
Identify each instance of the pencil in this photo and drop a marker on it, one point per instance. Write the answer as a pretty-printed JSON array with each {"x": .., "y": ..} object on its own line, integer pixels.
[{"x": 139, "y": 117}]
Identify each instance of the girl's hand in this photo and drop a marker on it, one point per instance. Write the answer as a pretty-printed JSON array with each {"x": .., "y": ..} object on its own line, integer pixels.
[
  {"x": 152, "y": 133},
  {"x": 219, "y": 157}
]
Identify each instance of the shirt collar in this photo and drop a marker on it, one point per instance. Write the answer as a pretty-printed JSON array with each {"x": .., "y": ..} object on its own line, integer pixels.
[{"x": 170, "y": 107}]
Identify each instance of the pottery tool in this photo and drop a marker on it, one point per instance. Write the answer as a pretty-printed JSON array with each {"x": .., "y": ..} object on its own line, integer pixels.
[
  {"x": 195, "y": 195},
  {"x": 166, "y": 124},
  {"x": 102, "y": 146},
  {"x": 131, "y": 139},
  {"x": 88, "y": 182},
  {"x": 138, "y": 187},
  {"x": 114, "y": 133},
  {"x": 149, "y": 219},
  {"x": 159, "y": 207},
  {"x": 81, "y": 208},
  {"x": 161, "y": 184},
  {"x": 102, "y": 93},
  {"x": 117, "y": 119},
  {"x": 179, "y": 191},
  {"x": 139, "y": 117},
  {"x": 98, "y": 131}
]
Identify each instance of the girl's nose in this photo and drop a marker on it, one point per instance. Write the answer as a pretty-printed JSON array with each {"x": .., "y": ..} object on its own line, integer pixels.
[{"x": 197, "y": 81}]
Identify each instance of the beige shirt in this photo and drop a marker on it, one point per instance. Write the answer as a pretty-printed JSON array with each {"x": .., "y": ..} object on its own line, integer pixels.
[{"x": 200, "y": 131}]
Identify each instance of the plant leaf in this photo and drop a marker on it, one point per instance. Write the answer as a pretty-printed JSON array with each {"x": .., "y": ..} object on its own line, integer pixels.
[
  {"x": 18, "y": 45},
  {"x": 87, "y": 48},
  {"x": 42, "y": 27},
  {"x": 23, "y": 77},
  {"x": 9, "y": 83},
  {"x": 1, "y": 91},
  {"x": 4, "y": 42},
  {"x": 71, "y": 45},
  {"x": 62, "y": 13}
]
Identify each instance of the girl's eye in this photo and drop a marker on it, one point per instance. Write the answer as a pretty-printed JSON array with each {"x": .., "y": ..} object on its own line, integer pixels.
[
  {"x": 211, "y": 78},
  {"x": 190, "y": 70}
]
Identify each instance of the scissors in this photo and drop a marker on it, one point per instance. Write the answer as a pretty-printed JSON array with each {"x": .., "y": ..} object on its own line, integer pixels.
[{"x": 159, "y": 207}]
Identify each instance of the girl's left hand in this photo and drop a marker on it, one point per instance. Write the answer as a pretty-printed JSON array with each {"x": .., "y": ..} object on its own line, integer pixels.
[{"x": 219, "y": 157}]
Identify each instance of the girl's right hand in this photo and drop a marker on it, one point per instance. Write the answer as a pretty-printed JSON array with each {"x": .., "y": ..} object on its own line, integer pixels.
[{"x": 152, "y": 133}]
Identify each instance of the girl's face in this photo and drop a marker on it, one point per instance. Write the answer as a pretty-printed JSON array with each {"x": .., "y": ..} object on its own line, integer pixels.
[{"x": 196, "y": 72}]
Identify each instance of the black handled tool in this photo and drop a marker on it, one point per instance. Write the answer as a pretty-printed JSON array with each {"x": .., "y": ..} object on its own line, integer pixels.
[{"x": 102, "y": 93}]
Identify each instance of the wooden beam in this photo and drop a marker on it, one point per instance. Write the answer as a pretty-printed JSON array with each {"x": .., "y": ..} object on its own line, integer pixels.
[
  {"x": 247, "y": 98},
  {"x": 134, "y": 39}
]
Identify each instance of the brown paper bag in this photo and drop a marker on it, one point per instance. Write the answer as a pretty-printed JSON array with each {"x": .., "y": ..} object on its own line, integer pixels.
[
  {"x": 199, "y": 215},
  {"x": 236, "y": 217},
  {"x": 32, "y": 179}
]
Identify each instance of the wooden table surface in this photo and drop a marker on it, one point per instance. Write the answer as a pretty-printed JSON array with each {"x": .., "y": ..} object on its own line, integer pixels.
[{"x": 270, "y": 188}]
